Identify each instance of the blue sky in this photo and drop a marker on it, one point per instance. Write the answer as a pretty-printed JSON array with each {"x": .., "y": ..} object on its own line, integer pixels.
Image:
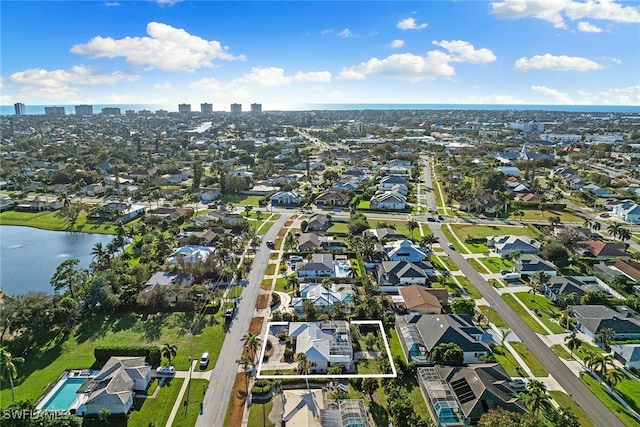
[{"x": 285, "y": 53}]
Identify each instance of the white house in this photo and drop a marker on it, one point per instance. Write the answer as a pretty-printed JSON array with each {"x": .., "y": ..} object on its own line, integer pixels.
[
  {"x": 387, "y": 182},
  {"x": 285, "y": 198},
  {"x": 628, "y": 211},
  {"x": 114, "y": 386},
  {"x": 321, "y": 297},
  {"x": 324, "y": 343},
  {"x": 405, "y": 250},
  {"x": 507, "y": 245},
  {"x": 388, "y": 200}
]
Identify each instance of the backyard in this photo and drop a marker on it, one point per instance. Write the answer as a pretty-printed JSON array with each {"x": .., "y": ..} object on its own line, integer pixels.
[{"x": 47, "y": 220}]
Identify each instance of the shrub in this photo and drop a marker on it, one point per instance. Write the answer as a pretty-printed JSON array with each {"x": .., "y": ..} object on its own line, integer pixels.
[
  {"x": 275, "y": 299},
  {"x": 151, "y": 353}
]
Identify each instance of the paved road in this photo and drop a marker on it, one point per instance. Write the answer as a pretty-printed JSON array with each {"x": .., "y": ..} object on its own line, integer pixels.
[
  {"x": 224, "y": 373},
  {"x": 590, "y": 404}
]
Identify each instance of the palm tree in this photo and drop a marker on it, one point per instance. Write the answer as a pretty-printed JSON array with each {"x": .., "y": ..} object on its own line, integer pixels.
[
  {"x": 247, "y": 365},
  {"x": 428, "y": 240},
  {"x": 599, "y": 363},
  {"x": 573, "y": 342},
  {"x": 251, "y": 343},
  {"x": 536, "y": 397},
  {"x": 412, "y": 224},
  {"x": 292, "y": 281},
  {"x": 103, "y": 414},
  {"x": 614, "y": 229},
  {"x": 624, "y": 234},
  {"x": 538, "y": 280},
  {"x": 587, "y": 223},
  {"x": 8, "y": 370},
  {"x": 606, "y": 335},
  {"x": 304, "y": 366},
  {"x": 613, "y": 376},
  {"x": 327, "y": 282},
  {"x": 169, "y": 351},
  {"x": 290, "y": 242}
]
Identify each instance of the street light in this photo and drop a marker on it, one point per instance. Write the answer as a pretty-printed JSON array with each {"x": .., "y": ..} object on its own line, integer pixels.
[{"x": 190, "y": 335}]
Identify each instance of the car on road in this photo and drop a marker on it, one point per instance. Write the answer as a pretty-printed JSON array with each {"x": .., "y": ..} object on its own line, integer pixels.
[
  {"x": 271, "y": 245},
  {"x": 431, "y": 219},
  {"x": 204, "y": 361},
  {"x": 166, "y": 370},
  {"x": 440, "y": 218},
  {"x": 450, "y": 245}
]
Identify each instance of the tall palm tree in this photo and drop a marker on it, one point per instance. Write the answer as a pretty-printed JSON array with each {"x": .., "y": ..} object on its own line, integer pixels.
[
  {"x": 600, "y": 364},
  {"x": 614, "y": 229},
  {"x": 304, "y": 365},
  {"x": 613, "y": 376},
  {"x": 169, "y": 351},
  {"x": 573, "y": 342},
  {"x": 606, "y": 335},
  {"x": 538, "y": 280},
  {"x": 536, "y": 397},
  {"x": 624, "y": 234},
  {"x": 247, "y": 365},
  {"x": 8, "y": 370},
  {"x": 412, "y": 224},
  {"x": 428, "y": 240},
  {"x": 251, "y": 344}
]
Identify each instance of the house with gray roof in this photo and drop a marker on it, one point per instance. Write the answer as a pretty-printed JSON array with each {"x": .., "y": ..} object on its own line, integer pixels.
[
  {"x": 627, "y": 354},
  {"x": 114, "y": 386},
  {"x": 400, "y": 273},
  {"x": 321, "y": 265},
  {"x": 388, "y": 200},
  {"x": 528, "y": 264},
  {"x": 405, "y": 250},
  {"x": 420, "y": 334},
  {"x": 508, "y": 245},
  {"x": 324, "y": 343},
  {"x": 628, "y": 211},
  {"x": 591, "y": 319}
]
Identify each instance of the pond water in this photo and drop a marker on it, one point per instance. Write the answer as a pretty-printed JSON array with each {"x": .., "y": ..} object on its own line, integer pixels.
[{"x": 30, "y": 256}]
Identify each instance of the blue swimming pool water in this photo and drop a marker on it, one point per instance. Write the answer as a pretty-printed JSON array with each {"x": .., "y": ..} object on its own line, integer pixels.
[{"x": 64, "y": 397}]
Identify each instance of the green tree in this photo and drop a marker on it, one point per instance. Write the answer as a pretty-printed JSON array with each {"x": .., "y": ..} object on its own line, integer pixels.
[
  {"x": 605, "y": 335},
  {"x": 539, "y": 280},
  {"x": 412, "y": 224},
  {"x": 447, "y": 354},
  {"x": 572, "y": 341},
  {"x": 246, "y": 362},
  {"x": 8, "y": 369},
  {"x": 370, "y": 385},
  {"x": 536, "y": 397},
  {"x": 613, "y": 376},
  {"x": 67, "y": 275},
  {"x": 103, "y": 414},
  {"x": 499, "y": 417},
  {"x": 169, "y": 351},
  {"x": 463, "y": 306},
  {"x": 251, "y": 343}
]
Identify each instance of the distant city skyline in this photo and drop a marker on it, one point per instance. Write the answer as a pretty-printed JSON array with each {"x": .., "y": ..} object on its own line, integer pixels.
[{"x": 170, "y": 52}]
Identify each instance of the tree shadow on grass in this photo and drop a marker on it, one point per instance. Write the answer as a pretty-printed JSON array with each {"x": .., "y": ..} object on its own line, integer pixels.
[
  {"x": 379, "y": 414},
  {"x": 152, "y": 327},
  {"x": 94, "y": 327},
  {"x": 36, "y": 359}
]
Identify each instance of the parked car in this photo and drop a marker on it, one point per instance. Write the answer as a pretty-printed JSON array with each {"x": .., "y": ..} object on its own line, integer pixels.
[
  {"x": 204, "y": 361},
  {"x": 166, "y": 371}
]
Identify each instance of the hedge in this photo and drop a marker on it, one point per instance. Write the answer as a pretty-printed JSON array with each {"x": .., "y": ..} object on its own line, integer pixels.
[{"x": 104, "y": 353}]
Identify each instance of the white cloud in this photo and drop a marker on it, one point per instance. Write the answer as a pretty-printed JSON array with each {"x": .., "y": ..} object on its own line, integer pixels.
[
  {"x": 405, "y": 66},
  {"x": 163, "y": 86},
  {"x": 554, "y": 11},
  {"x": 167, "y": 48},
  {"x": 588, "y": 27},
  {"x": 556, "y": 95},
  {"x": 351, "y": 74},
  {"x": 323, "y": 32},
  {"x": 396, "y": 44},
  {"x": 77, "y": 75},
  {"x": 208, "y": 84},
  {"x": 556, "y": 63},
  {"x": 463, "y": 51},
  {"x": 496, "y": 99},
  {"x": 410, "y": 24},
  {"x": 264, "y": 76},
  {"x": 623, "y": 96},
  {"x": 345, "y": 33},
  {"x": 313, "y": 76}
]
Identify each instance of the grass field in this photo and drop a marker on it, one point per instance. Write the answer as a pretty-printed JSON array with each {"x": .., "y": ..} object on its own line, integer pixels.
[
  {"x": 508, "y": 362},
  {"x": 538, "y": 215},
  {"x": 241, "y": 200},
  {"x": 50, "y": 221},
  {"x": 259, "y": 414},
  {"x": 400, "y": 226},
  {"x": 477, "y": 266},
  {"x": 158, "y": 409},
  {"x": 565, "y": 401},
  {"x": 586, "y": 348},
  {"x": 470, "y": 287},
  {"x": 608, "y": 401},
  {"x": 629, "y": 389},
  {"x": 493, "y": 316},
  {"x": 454, "y": 241},
  {"x": 196, "y": 391},
  {"x": 496, "y": 265},
  {"x": 560, "y": 351},
  {"x": 546, "y": 309},
  {"x": 338, "y": 227},
  {"x": 45, "y": 364},
  {"x": 536, "y": 368},
  {"x": 525, "y": 315},
  {"x": 452, "y": 266},
  {"x": 480, "y": 231}
]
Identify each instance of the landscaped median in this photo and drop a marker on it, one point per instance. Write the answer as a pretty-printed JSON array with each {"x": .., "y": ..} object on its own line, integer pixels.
[{"x": 544, "y": 309}]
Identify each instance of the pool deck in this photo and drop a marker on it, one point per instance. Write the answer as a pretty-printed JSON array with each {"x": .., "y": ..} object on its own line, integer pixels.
[{"x": 76, "y": 373}]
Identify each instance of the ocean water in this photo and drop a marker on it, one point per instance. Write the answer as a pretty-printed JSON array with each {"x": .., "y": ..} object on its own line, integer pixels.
[{"x": 69, "y": 109}]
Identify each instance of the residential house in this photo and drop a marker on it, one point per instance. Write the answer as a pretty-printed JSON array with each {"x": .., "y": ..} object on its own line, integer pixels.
[
  {"x": 318, "y": 222},
  {"x": 618, "y": 267},
  {"x": 387, "y": 182},
  {"x": 628, "y": 211},
  {"x": 399, "y": 163},
  {"x": 388, "y": 201},
  {"x": 206, "y": 237},
  {"x": 600, "y": 249},
  {"x": 596, "y": 190},
  {"x": 286, "y": 198},
  {"x": 420, "y": 334},
  {"x": 627, "y": 354},
  {"x": 344, "y": 413},
  {"x": 395, "y": 170},
  {"x": 190, "y": 254},
  {"x": 507, "y": 245},
  {"x": 220, "y": 217},
  {"x": 321, "y": 265},
  {"x": 170, "y": 214},
  {"x": 324, "y": 343},
  {"x": 591, "y": 319},
  {"x": 560, "y": 286},
  {"x": 333, "y": 197},
  {"x": 383, "y": 233},
  {"x": 488, "y": 204},
  {"x": 528, "y": 264},
  {"x": 460, "y": 395},
  {"x": 123, "y": 212},
  {"x": 302, "y": 408},
  {"x": 208, "y": 195},
  {"x": 166, "y": 280},
  {"x": 313, "y": 241},
  {"x": 114, "y": 386},
  {"x": 323, "y": 298},
  {"x": 405, "y": 250},
  {"x": 423, "y": 300},
  {"x": 400, "y": 273}
]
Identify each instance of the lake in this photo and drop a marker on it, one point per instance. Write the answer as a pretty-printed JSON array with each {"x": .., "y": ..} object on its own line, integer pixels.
[{"x": 29, "y": 256}]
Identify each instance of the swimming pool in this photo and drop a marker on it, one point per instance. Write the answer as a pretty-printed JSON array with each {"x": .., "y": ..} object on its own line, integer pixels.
[{"x": 65, "y": 395}]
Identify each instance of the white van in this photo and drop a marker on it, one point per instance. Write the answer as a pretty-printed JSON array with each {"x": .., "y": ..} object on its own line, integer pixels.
[{"x": 204, "y": 361}]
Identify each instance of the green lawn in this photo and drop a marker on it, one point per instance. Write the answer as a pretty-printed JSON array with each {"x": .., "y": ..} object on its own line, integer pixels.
[
  {"x": 495, "y": 283},
  {"x": 266, "y": 226},
  {"x": 536, "y": 368},
  {"x": 546, "y": 309},
  {"x": 259, "y": 414},
  {"x": 629, "y": 389},
  {"x": 493, "y": 316},
  {"x": 480, "y": 231},
  {"x": 399, "y": 226},
  {"x": 50, "y": 221},
  {"x": 496, "y": 265},
  {"x": 196, "y": 392},
  {"x": 477, "y": 248},
  {"x": 560, "y": 351},
  {"x": 470, "y": 287},
  {"x": 435, "y": 260},
  {"x": 281, "y": 285},
  {"x": 508, "y": 362},
  {"x": 538, "y": 215},
  {"x": 477, "y": 266},
  {"x": 338, "y": 228},
  {"x": 158, "y": 409},
  {"x": 524, "y": 314},
  {"x": 394, "y": 343},
  {"x": 565, "y": 401},
  {"x": 364, "y": 204},
  {"x": 454, "y": 241},
  {"x": 45, "y": 364},
  {"x": 586, "y": 348},
  {"x": 241, "y": 200},
  {"x": 449, "y": 263},
  {"x": 271, "y": 269},
  {"x": 608, "y": 401}
]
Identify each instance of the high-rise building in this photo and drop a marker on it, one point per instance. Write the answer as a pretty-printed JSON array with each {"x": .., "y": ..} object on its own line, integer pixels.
[
  {"x": 236, "y": 108},
  {"x": 20, "y": 109},
  {"x": 256, "y": 108},
  {"x": 111, "y": 111},
  {"x": 84, "y": 110},
  {"x": 206, "y": 108},
  {"x": 184, "y": 108},
  {"x": 54, "y": 111}
]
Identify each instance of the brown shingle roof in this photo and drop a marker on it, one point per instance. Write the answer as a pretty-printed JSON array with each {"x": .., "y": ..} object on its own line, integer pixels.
[{"x": 420, "y": 297}]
